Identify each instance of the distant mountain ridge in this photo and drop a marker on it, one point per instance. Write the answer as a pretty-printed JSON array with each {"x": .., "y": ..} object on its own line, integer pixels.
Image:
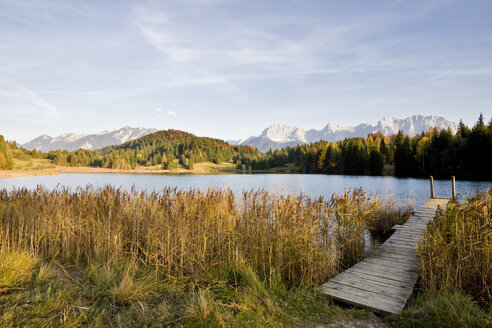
[
  {"x": 274, "y": 137},
  {"x": 279, "y": 136},
  {"x": 74, "y": 141}
]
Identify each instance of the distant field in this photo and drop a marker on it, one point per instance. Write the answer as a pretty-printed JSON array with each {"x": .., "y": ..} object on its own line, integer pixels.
[
  {"x": 33, "y": 164},
  {"x": 35, "y": 167}
]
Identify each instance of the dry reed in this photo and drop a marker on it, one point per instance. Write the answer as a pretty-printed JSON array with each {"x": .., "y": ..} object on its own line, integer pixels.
[
  {"x": 385, "y": 215},
  {"x": 187, "y": 233},
  {"x": 456, "y": 253}
]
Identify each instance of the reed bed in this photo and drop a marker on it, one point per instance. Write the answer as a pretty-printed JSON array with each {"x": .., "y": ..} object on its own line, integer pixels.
[
  {"x": 456, "y": 253},
  {"x": 385, "y": 215},
  {"x": 185, "y": 234}
]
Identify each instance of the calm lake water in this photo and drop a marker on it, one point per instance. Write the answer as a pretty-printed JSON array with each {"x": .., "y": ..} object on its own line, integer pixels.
[{"x": 416, "y": 190}]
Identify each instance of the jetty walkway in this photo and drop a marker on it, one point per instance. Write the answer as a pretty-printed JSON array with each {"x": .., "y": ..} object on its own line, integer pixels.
[{"x": 384, "y": 280}]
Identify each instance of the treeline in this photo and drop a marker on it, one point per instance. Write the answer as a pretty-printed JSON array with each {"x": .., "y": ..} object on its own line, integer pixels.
[
  {"x": 6, "y": 157},
  {"x": 165, "y": 149},
  {"x": 467, "y": 154},
  {"x": 358, "y": 156}
]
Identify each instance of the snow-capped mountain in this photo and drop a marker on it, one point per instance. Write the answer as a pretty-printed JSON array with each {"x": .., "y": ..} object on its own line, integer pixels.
[
  {"x": 234, "y": 142},
  {"x": 279, "y": 136},
  {"x": 74, "y": 141}
]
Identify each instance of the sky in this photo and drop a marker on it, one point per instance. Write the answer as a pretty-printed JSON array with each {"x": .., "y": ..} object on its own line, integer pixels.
[{"x": 230, "y": 68}]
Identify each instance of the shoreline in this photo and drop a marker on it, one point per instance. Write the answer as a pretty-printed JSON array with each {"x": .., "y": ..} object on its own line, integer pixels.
[
  {"x": 55, "y": 171},
  {"x": 21, "y": 173}
]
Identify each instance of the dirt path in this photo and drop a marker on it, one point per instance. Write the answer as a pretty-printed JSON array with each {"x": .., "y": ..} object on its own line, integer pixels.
[{"x": 371, "y": 322}]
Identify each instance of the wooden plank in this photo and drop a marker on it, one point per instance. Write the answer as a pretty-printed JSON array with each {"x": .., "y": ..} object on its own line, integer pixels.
[
  {"x": 379, "y": 268},
  {"x": 378, "y": 287},
  {"x": 401, "y": 262},
  {"x": 389, "y": 263},
  {"x": 407, "y": 278},
  {"x": 398, "y": 258},
  {"x": 378, "y": 278},
  {"x": 407, "y": 239},
  {"x": 375, "y": 302},
  {"x": 394, "y": 293},
  {"x": 395, "y": 251}
]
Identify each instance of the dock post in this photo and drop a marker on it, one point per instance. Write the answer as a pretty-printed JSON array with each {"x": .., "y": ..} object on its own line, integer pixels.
[
  {"x": 453, "y": 187},
  {"x": 432, "y": 186}
]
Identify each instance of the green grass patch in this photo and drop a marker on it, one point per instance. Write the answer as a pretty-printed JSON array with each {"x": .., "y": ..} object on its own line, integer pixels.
[
  {"x": 16, "y": 268},
  {"x": 442, "y": 310},
  {"x": 32, "y": 164}
]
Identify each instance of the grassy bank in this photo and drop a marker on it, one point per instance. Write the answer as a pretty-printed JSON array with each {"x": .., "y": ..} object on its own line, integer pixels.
[
  {"x": 37, "y": 293},
  {"x": 191, "y": 258},
  {"x": 109, "y": 257}
]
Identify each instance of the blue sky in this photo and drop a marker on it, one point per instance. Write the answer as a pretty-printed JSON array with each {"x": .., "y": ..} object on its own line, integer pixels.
[{"x": 229, "y": 68}]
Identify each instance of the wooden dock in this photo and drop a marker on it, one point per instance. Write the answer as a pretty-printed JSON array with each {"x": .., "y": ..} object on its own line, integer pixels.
[{"x": 384, "y": 280}]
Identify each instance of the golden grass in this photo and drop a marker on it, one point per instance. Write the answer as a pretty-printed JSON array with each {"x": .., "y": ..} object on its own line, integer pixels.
[
  {"x": 456, "y": 253},
  {"x": 187, "y": 233},
  {"x": 131, "y": 289},
  {"x": 16, "y": 268}
]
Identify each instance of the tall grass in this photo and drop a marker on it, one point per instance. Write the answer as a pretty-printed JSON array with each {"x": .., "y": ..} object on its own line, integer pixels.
[
  {"x": 456, "y": 253},
  {"x": 184, "y": 234},
  {"x": 385, "y": 215}
]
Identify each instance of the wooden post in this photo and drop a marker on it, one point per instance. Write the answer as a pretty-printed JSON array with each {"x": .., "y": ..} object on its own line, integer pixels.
[
  {"x": 432, "y": 186},
  {"x": 453, "y": 187}
]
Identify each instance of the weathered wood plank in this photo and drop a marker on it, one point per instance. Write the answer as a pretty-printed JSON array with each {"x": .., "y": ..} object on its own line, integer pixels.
[
  {"x": 406, "y": 277},
  {"x": 382, "y": 269},
  {"x": 379, "y": 278},
  {"x": 377, "y": 287},
  {"x": 392, "y": 292},
  {"x": 375, "y": 302}
]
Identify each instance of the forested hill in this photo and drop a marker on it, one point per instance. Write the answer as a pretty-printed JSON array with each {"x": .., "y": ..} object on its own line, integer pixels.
[
  {"x": 173, "y": 147},
  {"x": 167, "y": 148}
]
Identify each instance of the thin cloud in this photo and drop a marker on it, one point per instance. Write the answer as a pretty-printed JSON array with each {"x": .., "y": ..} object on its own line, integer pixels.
[
  {"x": 451, "y": 70},
  {"x": 153, "y": 25},
  {"x": 34, "y": 98},
  {"x": 171, "y": 113},
  {"x": 158, "y": 110}
]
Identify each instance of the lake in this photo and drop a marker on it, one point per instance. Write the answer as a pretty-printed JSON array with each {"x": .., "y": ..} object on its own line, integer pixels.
[{"x": 402, "y": 189}]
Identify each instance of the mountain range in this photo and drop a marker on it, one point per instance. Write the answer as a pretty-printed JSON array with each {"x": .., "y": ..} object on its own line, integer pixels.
[
  {"x": 279, "y": 136},
  {"x": 74, "y": 141},
  {"x": 274, "y": 137}
]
